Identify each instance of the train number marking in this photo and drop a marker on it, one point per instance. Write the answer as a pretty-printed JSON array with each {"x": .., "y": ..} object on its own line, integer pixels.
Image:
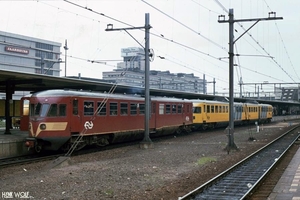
[{"x": 88, "y": 125}]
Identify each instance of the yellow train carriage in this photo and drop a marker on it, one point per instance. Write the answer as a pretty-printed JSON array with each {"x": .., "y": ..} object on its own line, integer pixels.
[
  {"x": 261, "y": 113},
  {"x": 251, "y": 112},
  {"x": 266, "y": 113},
  {"x": 209, "y": 114}
]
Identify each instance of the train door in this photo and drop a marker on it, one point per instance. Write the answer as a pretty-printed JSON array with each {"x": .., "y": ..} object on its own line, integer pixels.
[
  {"x": 206, "y": 113},
  {"x": 246, "y": 111},
  {"x": 76, "y": 120},
  {"x": 237, "y": 110},
  {"x": 153, "y": 115}
]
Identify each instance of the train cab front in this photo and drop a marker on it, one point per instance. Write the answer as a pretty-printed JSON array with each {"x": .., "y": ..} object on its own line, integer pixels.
[{"x": 47, "y": 125}]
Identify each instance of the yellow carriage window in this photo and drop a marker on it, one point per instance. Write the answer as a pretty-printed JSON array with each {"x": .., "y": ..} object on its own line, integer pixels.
[
  {"x": 226, "y": 109},
  {"x": 196, "y": 109},
  {"x": 212, "y": 109},
  {"x": 216, "y": 109},
  {"x": 208, "y": 109}
]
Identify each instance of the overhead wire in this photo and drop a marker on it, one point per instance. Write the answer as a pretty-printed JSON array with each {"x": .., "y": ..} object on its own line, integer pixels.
[
  {"x": 198, "y": 33},
  {"x": 250, "y": 35},
  {"x": 157, "y": 35},
  {"x": 284, "y": 46}
]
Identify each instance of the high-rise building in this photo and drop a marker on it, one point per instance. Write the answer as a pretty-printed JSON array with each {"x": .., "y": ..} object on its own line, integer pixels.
[
  {"x": 132, "y": 72},
  {"x": 27, "y": 54}
]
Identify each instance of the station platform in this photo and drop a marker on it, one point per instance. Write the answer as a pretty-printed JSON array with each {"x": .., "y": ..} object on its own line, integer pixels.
[
  {"x": 288, "y": 186},
  {"x": 13, "y": 144}
]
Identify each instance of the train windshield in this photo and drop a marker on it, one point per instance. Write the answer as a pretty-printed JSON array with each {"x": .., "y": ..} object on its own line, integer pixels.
[
  {"x": 39, "y": 109},
  {"x": 49, "y": 110}
]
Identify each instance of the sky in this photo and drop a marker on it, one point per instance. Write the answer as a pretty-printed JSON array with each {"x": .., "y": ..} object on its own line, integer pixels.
[{"x": 186, "y": 34}]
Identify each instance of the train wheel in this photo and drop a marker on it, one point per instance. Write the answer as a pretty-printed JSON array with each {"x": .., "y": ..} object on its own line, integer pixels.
[
  {"x": 38, "y": 148},
  {"x": 66, "y": 147},
  {"x": 102, "y": 142}
]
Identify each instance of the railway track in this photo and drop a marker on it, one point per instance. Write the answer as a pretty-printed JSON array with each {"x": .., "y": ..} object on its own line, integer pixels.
[
  {"x": 242, "y": 179},
  {"x": 7, "y": 162}
]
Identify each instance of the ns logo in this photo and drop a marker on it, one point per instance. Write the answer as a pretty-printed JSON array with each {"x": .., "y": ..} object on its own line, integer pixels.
[{"x": 88, "y": 125}]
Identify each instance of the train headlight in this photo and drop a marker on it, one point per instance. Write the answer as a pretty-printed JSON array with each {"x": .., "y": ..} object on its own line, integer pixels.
[{"x": 42, "y": 126}]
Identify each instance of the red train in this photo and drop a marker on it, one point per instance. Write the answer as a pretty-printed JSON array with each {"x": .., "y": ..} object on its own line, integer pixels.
[{"x": 58, "y": 117}]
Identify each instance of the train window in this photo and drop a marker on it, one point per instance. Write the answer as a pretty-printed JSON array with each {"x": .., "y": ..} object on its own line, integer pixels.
[
  {"x": 101, "y": 108},
  {"x": 208, "y": 109},
  {"x": 52, "y": 111},
  {"x": 31, "y": 109},
  {"x": 25, "y": 107},
  {"x": 161, "y": 109},
  {"x": 75, "y": 107},
  {"x": 212, "y": 109},
  {"x": 216, "y": 109},
  {"x": 226, "y": 109},
  {"x": 220, "y": 109},
  {"x": 133, "y": 109},
  {"x": 113, "y": 108},
  {"x": 179, "y": 108},
  {"x": 173, "y": 108},
  {"x": 124, "y": 108},
  {"x": 168, "y": 109},
  {"x": 223, "y": 109},
  {"x": 62, "y": 110},
  {"x": 35, "y": 109},
  {"x": 44, "y": 109},
  {"x": 142, "y": 108},
  {"x": 196, "y": 109},
  {"x": 88, "y": 108}
]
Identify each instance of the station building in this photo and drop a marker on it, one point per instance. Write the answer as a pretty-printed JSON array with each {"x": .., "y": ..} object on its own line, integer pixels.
[
  {"x": 21, "y": 53},
  {"x": 27, "y": 54},
  {"x": 132, "y": 72}
]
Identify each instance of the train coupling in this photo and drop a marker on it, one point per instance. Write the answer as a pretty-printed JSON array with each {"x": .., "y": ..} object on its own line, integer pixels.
[{"x": 30, "y": 143}]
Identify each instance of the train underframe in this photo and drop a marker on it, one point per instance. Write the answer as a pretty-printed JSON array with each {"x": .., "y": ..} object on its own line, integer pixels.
[{"x": 65, "y": 143}]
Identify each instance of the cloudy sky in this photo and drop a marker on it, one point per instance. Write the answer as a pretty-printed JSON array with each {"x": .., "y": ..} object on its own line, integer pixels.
[{"x": 186, "y": 33}]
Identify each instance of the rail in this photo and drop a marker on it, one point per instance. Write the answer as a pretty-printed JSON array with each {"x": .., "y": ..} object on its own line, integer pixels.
[{"x": 241, "y": 179}]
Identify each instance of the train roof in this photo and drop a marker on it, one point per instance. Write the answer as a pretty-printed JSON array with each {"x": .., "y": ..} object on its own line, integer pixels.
[
  {"x": 226, "y": 103},
  {"x": 76, "y": 93}
]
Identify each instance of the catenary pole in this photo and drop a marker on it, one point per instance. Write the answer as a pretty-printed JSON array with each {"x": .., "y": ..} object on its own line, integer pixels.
[{"x": 231, "y": 21}]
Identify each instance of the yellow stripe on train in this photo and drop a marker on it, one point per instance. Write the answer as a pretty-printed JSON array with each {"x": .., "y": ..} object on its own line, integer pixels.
[{"x": 51, "y": 126}]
